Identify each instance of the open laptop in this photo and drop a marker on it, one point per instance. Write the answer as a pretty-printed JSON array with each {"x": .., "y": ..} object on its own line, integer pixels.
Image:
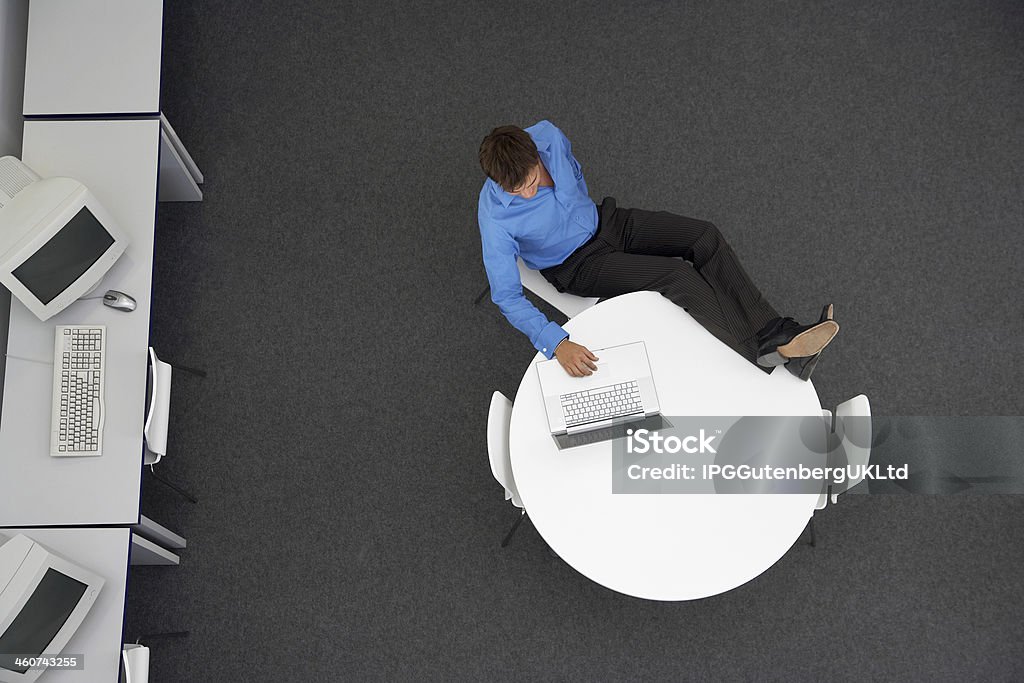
[{"x": 601, "y": 407}]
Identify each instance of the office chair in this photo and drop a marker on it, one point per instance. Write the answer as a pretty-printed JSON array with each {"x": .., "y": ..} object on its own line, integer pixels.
[
  {"x": 569, "y": 305},
  {"x": 135, "y": 658},
  {"x": 823, "y": 496},
  {"x": 853, "y": 433},
  {"x": 158, "y": 413},
  {"x": 849, "y": 443},
  {"x": 498, "y": 421}
]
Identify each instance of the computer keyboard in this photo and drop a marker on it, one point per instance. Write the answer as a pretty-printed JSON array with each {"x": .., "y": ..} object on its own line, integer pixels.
[
  {"x": 77, "y": 419},
  {"x": 603, "y": 403}
]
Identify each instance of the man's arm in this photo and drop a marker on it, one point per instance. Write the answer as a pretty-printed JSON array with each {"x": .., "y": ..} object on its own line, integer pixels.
[
  {"x": 565, "y": 159},
  {"x": 500, "y": 252}
]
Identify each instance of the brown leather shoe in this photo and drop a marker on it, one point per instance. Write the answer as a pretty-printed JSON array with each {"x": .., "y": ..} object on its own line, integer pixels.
[{"x": 803, "y": 367}]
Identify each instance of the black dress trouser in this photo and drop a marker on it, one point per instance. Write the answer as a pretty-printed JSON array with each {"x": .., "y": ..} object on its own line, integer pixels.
[{"x": 635, "y": 250}]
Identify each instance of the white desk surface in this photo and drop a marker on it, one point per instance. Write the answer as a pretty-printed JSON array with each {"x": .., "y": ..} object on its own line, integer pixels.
[
  {"x": 93, "y": 57},
  {"x": 117, "y": 161},
  {"x": 99, "y": 638},
  {"x": 662, "y": 546}
]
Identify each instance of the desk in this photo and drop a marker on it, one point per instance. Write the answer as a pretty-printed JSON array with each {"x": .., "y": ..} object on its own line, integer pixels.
[
  {"x": 95, "y": 57},
  {"x": 117, "y": 160},
  {"x": 659, "y": 547},
  {"x": 105, "y": 552}
]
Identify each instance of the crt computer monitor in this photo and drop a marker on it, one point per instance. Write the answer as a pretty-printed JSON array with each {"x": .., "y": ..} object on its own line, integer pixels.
[
  {"x": 56, "y": 240},
  {"x": 43, "y": 600}
]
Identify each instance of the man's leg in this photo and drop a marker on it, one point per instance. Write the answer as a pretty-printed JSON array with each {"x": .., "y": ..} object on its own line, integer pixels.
[
  {"x": 660, "y": 233},
  {"x": 614, "y": 272}
]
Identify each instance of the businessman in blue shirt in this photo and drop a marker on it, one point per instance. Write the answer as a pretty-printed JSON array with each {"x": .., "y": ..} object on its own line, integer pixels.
[{"x": 535, "y": 206}]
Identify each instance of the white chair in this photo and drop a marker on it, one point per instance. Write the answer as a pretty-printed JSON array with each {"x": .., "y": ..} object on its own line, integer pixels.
[
  {"x": 135, "y": 658},
  {"x": 569, "y": 305},
  {"x": 849, "y": 444},
  {"x": 158, "y": 413},
  {"x": 823, "y": 496},
  {"x": 499, "y": 418},
  {"x": 853, "y": 433}
]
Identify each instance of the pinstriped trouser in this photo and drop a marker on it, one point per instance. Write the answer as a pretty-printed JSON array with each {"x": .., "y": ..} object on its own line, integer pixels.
[{"x": 633, "y": 250}]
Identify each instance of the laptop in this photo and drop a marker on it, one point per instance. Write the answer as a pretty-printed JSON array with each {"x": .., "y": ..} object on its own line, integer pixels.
[{"x": 619, "y": 396}]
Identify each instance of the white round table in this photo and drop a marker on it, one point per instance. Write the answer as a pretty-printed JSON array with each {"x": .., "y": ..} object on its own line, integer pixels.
[{"x": 659, "y": 547}]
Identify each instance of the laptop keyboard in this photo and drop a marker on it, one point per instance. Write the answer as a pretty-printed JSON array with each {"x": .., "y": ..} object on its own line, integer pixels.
[{"x": 603, "y": 403}]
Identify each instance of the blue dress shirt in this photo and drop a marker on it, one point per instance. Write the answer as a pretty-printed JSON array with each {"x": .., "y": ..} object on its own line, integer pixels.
[{"x": 542, "y": 231}]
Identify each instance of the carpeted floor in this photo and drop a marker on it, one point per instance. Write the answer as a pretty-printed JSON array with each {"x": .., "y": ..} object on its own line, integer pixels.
[{"x": 864, "y": 153}]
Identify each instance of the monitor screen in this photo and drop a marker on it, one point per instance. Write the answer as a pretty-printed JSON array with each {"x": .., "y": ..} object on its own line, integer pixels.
[
  {"x": 65, "y": 257},
  {"x": 42, "y": 617}
]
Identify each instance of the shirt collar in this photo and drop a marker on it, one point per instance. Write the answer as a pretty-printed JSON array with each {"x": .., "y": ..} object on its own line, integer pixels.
[{"x": 504, "y": 197}]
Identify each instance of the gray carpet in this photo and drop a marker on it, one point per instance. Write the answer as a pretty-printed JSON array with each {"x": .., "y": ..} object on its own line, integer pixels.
[{"x": 867, "y": 154}]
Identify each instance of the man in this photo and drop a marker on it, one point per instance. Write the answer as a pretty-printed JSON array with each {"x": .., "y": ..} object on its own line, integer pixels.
[{"x": 534, "y": 205}]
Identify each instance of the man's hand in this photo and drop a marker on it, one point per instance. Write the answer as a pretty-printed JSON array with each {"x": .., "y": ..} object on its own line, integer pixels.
[{"x": 575, "y": 359}]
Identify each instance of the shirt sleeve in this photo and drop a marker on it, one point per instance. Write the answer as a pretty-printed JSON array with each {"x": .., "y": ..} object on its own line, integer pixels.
[
  {"x": 500, "y": 252},
  {"x": 572, "y": 165}
]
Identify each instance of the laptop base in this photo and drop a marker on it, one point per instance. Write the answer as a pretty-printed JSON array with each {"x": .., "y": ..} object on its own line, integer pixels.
[{"x": 610, "y": 433}]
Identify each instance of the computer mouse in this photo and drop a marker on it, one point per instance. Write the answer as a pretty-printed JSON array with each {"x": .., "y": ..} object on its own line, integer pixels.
[{"x": 118, "y": 300}]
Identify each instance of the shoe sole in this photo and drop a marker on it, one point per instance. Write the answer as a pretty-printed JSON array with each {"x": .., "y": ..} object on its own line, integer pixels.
[{"x": 810, "y": 342}]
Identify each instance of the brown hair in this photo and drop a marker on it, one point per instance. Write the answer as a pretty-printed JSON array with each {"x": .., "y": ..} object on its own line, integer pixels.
[{"x": 507, "y": 155}]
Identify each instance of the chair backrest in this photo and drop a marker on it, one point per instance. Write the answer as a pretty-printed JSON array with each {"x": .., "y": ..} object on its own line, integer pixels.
[
  {"x": 499, "y": 418},
  {"x": 826, "y": 416},
  {"x": 569, "y": 304},
  {"x": 158, "y": 410},
  {"x": 853, "y": 434},
  {"x": 136, "y": 663}
]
